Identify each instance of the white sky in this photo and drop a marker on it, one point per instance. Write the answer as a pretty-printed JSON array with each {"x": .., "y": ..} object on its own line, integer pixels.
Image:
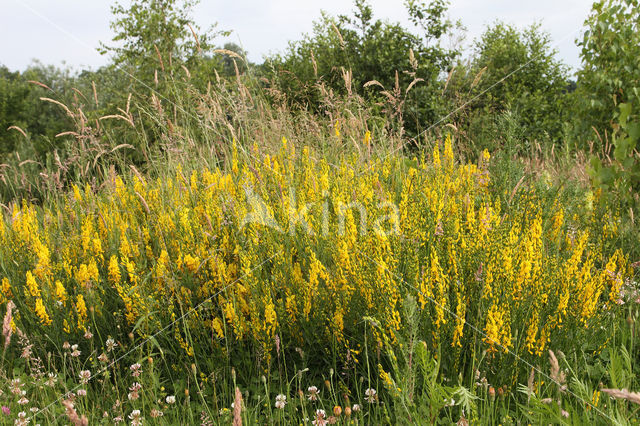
[{"x": 68, "y": 31}]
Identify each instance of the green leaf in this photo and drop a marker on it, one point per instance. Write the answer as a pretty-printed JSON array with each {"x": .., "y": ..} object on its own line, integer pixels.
[{"x": 625, "y": 111}]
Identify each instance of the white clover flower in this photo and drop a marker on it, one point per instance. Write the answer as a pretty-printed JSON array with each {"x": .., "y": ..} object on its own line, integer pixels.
[
  {"x": 313, "y": 393},
  {"x": 85, "y": 376},
  {"x": 281, "y": 401},
  {"x": 171, "y": 399},
  {"x": 111, "y": 344},
  {"x": 22, "y": 419},
  {"x": 371, "y": 395},
  {"x": 321, "y": 418},
  {"x": 51, "y": 380},
  {"x": 136, "y": 370},
  {"x": 136, "y": 418}
]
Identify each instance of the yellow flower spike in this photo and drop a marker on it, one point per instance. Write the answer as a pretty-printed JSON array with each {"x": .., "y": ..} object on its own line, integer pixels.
[
  {"x": 32, "y": 289},
  {"x": 81, "y": 310},
  {"x": 82, "y": 275},
  {"x": 448, "y": 151},
  {"x": 436, "y": 155},
  {"x": 234, "y": 158},
  {"x": 77, "y": 195},
  {"x": 367, "y": 138},
  {"x": 217, "y": 326},
  {"x": 191, "y": 263},
  {"x": 5, "y": 289},
  {"x": 61, "y": 293},
  {"x": 42, "y": 313},
  {"x": 43, "y": 268},
  {"x": 114, "y": 270}
]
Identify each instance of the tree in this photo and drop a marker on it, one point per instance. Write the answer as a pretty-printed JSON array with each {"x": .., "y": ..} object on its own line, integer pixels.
[
  {"x": 608, "y": 98},
  {"x": 513, "y": 73},
  {"x": 20, "y": 106},
  {"x": 157, "y": 36},
  {"x": 373, "y": 50},
  {"x": 610, "y": 73}
]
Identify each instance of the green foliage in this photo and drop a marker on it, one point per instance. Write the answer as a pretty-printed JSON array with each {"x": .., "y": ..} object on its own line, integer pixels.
[
  {"x": 372, "y": 51},
  {"x": 516, "y": 73},
  {"x": 20, "y": 106},
  {"x": 156, "y": 35},
  {"x": 610, "y": 74},
  {"x": 620, "y": 179}
]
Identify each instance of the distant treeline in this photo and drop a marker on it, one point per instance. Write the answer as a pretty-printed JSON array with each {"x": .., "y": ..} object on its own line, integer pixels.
[{"x": 511, "y": 93}]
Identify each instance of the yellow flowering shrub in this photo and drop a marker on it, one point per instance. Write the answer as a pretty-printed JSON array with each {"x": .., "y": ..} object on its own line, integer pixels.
[{"x": 293, "y": 247}]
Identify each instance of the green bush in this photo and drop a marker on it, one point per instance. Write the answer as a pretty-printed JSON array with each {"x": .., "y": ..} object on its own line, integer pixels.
[{"x": 610, "y": 72}]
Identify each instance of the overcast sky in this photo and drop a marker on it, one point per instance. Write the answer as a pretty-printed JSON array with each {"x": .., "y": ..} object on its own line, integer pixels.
[{"x": 57, "y": 31}]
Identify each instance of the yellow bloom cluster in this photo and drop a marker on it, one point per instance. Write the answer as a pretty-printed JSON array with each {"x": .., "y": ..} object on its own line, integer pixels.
[{"x": 292, "y": 246}]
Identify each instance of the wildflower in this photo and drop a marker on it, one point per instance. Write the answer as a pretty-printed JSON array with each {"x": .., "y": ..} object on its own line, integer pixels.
[
  {"x": 136, "y": 418},
  {"x": 320, "y": 419},
  {"x": 32, "y": 286},
  {"x": 136, "y": 370},
  {"x": 371, "y": 395},
  {"x": 135, "y": 389},
  {"x": 33, "y": 409},
  {"x": 88, "y": 335},
  {"x": 16, "y": 386},
  {"x": 156, "y": 413},
  {"x": 52, "y": 378},
  {"x": 281, "y": 401},
  {"x": 103, "y": 357},
  {"x": 313, "y": 393},
  {"x": 171, "y": 399},
  {"x": 85, "y": 376},
  {"x": 355, "y": 408},
  {"x": 22, "y": 419},
  {"x": 26, "y": 352},
  {"x": 5, "y": 410},
  {"x": 82, "y": 392},
  {"x": 81, "y": 308},
  {"x": 337, "y": 410},
  {"x": 66, "y": 346},
  {"x": 118, "y": 419},
  {"x": 42, "y": 312},
  {"x": 23, "y": 401},
  {"x": 114, "y": 270},
  {"x": 74, "y": 351},
  {"x": 111, "y": 344}
]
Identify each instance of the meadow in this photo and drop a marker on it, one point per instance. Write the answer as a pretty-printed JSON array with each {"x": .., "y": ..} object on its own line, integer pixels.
[
  {"x": 380, "y": 289},
  {"x": 219, "y": 254}
]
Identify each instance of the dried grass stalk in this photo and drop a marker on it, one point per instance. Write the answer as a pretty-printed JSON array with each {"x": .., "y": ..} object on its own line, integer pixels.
[
  {"x": 237, "y": 409},
  {"x": 623, "y": 394}
]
